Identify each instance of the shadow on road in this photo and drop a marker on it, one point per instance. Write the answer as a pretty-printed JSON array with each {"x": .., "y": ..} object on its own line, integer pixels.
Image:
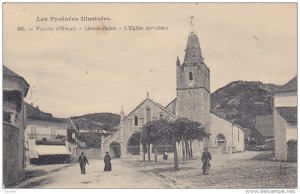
[{"x": 265, "y": 156}]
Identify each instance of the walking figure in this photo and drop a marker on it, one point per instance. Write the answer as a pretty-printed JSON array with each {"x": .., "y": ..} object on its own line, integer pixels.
[
  {"x": 82, "y": 162},
  {"x": 165, "y": 155},
  {"x": 206, "y": 157},
  {"x": 107, "y": 159}
]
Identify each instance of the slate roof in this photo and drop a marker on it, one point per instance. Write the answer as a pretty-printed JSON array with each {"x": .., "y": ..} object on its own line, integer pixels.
[
  {"x": 10, "y": 73},
  {"x": 288, "y": 113},
  {"x": 265, "y": 125},
  {"x": 172, "y": 106},
  {"x": 290, "y": 86}
]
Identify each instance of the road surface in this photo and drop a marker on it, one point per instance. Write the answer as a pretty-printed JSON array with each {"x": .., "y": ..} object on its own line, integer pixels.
[{"x": 123, "y": 175}]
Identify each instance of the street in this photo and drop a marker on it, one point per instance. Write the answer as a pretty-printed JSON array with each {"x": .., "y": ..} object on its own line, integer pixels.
[
  {"x": 252, "y": 170},
  {"x": 123, "y": 175}
]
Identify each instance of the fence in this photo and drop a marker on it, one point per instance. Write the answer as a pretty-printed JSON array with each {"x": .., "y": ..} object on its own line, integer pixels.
[{"x": 135, "y": 150}]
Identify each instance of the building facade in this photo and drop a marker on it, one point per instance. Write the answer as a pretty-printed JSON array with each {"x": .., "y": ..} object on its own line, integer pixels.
[
  {"x": 15, "y": 89},
  {"x": 192, "y": 102},
  {"x": 47, "y": 138}
]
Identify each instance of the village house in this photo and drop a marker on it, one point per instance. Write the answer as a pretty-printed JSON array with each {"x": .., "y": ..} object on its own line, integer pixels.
[
  {"x": 285, "y": 121},
  {"x": 48, "y": 139},
  {"x": 192, "y": 102},
  {"x": 15, "y": 89}
]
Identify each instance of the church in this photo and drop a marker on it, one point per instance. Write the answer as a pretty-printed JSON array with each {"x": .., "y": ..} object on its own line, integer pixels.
[{"x": 192, "y": 102}]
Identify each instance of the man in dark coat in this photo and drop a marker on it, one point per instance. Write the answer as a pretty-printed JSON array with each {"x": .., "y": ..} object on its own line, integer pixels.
[
  {"x": 206, "y": 157},
  {"x": 82, "y": 162},
  {"x": 107, "y": 159}
]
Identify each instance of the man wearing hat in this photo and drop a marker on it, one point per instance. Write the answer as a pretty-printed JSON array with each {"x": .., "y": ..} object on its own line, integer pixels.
[
  {"x": 206, "y": 157},
  {"x": 82, "y": 162},
  {"x": 107, "y": 159}
]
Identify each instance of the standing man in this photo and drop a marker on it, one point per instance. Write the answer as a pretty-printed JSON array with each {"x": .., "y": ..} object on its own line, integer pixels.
[
  {"x": 107, "y": 163},
  {"x": 82, "y": 162},
  {"x": 206, "y": 157}
]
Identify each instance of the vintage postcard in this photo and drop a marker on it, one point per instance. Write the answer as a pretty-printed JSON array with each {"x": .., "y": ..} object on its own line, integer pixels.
[{"x": 150, "y": 95}]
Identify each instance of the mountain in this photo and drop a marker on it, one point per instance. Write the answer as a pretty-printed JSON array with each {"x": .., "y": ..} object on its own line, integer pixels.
[{"x": 241, "y": 101}]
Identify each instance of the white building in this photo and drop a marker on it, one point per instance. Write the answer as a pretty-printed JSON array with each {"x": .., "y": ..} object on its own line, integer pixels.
[{"x": 285, "y": 121}]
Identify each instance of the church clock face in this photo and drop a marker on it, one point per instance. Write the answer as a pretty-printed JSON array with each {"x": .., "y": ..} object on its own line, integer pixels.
[{"x": 190, "y": 84}]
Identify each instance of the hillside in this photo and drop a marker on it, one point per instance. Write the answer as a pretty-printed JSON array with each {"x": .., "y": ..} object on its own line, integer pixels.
[
  {"x": 104, "y": 121},
  {"x": 242, "y": 101},
  {"x": 35, "y": 113}
]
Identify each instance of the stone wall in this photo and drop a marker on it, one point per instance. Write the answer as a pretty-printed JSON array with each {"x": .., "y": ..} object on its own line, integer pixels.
[
  {"x": 292, "y": 151},
  {"x": 194, "y": 104},
  {"x": 11, "y": 155}
]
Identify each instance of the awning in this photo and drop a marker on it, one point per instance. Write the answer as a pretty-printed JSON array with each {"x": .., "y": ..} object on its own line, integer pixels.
[{"x": 52, "y": 150}]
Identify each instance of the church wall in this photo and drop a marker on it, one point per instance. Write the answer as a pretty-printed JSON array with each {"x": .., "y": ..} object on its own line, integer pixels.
[
  {"x": 140, "y": 112},
  {"x": 238, "y": 138},
  {"x": 127, "y": 127},
  {"x": 233, "y": 134},
  {"x": 220, "y": 126}
]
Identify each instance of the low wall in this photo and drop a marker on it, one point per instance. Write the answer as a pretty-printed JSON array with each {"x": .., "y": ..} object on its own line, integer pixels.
[
  {"x": 292, "y": 151},
  {"x": 90, "y": 153}
]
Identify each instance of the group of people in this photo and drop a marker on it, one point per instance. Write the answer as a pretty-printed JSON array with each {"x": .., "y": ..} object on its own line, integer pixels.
[
  {"x": 83, "y": 161},
  {"x": 206, "y": 157}
]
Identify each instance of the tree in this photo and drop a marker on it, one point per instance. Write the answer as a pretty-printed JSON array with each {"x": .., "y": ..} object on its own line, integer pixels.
[
  {"x": 174, "y": 134},
  {"x": 186, "y": 131},
  {"x": 152, "y": 133},
  {"x": 180, "y": 130}
]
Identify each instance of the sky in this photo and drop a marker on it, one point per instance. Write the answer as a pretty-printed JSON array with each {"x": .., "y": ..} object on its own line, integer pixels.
[{"x": 73, "y": 73}]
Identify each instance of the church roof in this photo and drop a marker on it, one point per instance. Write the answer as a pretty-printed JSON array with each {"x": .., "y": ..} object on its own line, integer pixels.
[
  {"x": 290, "y": 86},
  {"x": 221, "y": 117},
  {"x": 193, "y": 51}
]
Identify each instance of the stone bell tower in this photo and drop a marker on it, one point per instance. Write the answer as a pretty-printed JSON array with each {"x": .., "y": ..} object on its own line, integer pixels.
[{"x": 193, "y": 84}]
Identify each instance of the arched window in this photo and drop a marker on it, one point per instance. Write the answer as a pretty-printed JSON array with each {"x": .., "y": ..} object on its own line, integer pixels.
[
  {"x": 191, "y": 75},
  {"x": 161, "y": 116},
  {"x": 148, "y": 115},
  {"x": 136, "y": 121}
]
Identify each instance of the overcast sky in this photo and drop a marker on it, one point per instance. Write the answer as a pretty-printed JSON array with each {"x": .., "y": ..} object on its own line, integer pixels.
[{"x": 75, "y": 73}]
